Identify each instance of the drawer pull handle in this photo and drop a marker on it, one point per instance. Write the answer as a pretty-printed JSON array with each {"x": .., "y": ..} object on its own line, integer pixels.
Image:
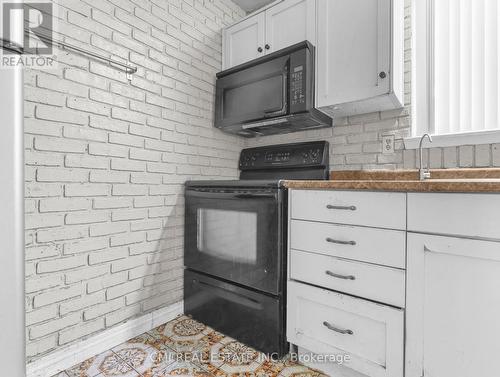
[
  {"x": 336, "y": 329},
  {"x": 331, "y": 240},
  {"x": 344, "y": 208},
  {"x": 345, "y": 277}
]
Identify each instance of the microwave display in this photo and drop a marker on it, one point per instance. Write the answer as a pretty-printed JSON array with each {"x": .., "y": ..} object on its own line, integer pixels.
[{"x": 297, "y": 86}]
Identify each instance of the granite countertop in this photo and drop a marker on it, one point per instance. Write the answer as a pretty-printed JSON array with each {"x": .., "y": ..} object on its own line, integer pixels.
[{"x": 442, "y": 180}]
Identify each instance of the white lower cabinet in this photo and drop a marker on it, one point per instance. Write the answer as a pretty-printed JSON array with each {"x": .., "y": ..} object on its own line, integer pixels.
[
  {"x": 331, "y": 323},
  {"x": 453, "y": 307},
  {"x": 346, "y": 287},
  {"x": 350, "y": 291}
]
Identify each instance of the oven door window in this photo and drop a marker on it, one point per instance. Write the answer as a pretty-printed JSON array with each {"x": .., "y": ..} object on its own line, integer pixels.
[
  {"x": 220, "y": 230},
  {"x": 235, "y": 237}
]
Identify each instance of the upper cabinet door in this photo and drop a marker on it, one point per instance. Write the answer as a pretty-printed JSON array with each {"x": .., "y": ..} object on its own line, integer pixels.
[
  {"x": 244, "y": 41},
  {"x": 290, "y": 22},
  {"x": 353, "y": 50}
]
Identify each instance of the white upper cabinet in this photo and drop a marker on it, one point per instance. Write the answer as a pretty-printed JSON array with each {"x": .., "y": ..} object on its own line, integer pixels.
[
  {"x": 360, "y": 55},
  {"x": 279, "y": 26},
  {"x": 244, "y": 41},
  {"x": 354, "y": 41},
  {"x": 290, "y": 22},
  {"x": 359, "y": 48}
]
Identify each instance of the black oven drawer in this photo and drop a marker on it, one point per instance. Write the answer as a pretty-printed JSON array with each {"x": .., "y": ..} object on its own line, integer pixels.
[{"x": 252, "y": 318}]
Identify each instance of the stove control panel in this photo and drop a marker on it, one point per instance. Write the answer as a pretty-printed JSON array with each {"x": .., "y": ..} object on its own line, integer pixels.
[{"x": 285, "y": 156}]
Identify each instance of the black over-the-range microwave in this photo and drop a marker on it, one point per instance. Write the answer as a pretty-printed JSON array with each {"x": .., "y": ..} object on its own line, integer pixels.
[{"x": 270, "y": 95}]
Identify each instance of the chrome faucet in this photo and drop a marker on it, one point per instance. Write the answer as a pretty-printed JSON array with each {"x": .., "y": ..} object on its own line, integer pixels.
[{"x": 424, "y": 173}]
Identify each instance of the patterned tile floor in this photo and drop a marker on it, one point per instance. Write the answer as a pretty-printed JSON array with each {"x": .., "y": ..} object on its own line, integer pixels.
[{"x": 185, "y": 347}]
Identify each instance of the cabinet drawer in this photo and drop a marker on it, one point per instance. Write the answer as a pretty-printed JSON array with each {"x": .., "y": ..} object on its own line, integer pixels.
[
  {"x": 375, "y": 209},
  {"x": 383, "y": 284},
  {"x": 379, "y": 246},
  {"x": 375, "y": 339},
  {"x": 471, "y": 215}
]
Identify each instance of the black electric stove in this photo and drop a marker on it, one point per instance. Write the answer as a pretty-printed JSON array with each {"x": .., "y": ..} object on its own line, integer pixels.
[{"x": 236, "y": 242}]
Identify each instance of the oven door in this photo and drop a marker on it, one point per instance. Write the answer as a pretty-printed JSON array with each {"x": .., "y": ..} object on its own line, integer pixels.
[
  {"x": 236, "y": 236},
  {"x": 254, "y": 93}
]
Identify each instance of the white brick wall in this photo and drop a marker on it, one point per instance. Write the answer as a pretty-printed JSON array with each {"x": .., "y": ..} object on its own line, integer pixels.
[
  {"x": 356, "y": 142},
  {"x": 106, "y": 160}
]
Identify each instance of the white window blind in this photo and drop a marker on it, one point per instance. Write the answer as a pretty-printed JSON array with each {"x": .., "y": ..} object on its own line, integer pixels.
[{"x": 456, "y": 78}]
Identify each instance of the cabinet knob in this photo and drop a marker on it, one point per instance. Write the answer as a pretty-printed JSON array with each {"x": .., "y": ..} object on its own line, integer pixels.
[
  {"x": 382, "y": 75},
  {"x": 260, "y": 49},
  {"x": 267, "y": 47}
]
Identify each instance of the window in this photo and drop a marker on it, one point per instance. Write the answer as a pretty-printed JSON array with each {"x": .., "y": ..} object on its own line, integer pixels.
[{"x": 456, "y": 71}]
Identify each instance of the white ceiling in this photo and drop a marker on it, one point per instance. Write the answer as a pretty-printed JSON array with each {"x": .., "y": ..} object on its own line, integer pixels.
[{"x": 251, "y": 5}]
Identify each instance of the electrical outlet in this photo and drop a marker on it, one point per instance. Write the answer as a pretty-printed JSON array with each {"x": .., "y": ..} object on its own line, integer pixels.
[{"x": 387, "y": 144}]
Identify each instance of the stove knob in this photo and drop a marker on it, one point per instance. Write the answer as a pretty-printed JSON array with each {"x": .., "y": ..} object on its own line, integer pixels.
[{"x": 315, "y": 154}]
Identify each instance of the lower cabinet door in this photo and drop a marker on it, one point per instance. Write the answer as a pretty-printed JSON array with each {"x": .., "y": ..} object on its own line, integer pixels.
[
  {"x": 328, "y": 323},
  {"x": 453, "y": 307}
]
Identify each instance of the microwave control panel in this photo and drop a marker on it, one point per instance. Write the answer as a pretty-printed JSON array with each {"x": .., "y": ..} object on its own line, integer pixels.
[{"x": 297, "y": 87}]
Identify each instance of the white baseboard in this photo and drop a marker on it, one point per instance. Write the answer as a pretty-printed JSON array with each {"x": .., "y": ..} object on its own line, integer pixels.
[{"x": 73, "y": 354}]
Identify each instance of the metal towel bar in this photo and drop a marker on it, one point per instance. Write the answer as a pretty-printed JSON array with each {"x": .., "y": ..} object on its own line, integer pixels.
[{"x": 127, "y": 68}]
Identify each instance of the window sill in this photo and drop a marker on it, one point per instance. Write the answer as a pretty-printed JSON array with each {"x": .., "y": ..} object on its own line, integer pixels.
[{"x": 455, "y": 140}]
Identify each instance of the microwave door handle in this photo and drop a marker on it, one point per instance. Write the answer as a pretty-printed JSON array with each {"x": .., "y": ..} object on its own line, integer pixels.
[
  {"x": 282, "y": 111},
  {"x": 271, "y": 122},
  {"x": 270, "y": 114}
]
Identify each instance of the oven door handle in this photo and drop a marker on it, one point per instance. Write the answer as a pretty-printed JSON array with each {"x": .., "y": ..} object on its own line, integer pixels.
[
  {"x": 255, "y": 196},
  {"x": 230, "y": 195}
]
